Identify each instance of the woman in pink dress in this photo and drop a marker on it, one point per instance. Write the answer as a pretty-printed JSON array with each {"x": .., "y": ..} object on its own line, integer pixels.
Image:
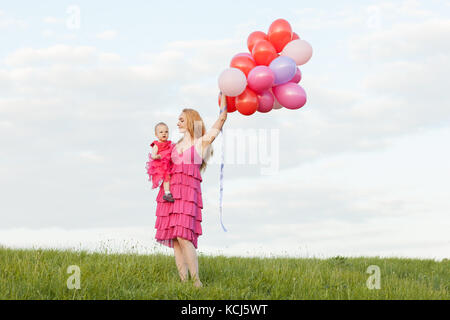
[{"x": 178, "y": 223}]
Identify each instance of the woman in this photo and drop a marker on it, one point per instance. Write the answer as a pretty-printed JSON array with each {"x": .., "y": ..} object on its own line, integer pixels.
[{"x": 178, "y": 223}]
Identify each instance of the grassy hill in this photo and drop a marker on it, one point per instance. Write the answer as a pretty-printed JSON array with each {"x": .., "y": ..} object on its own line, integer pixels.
[{"x": 42, "y": 274}]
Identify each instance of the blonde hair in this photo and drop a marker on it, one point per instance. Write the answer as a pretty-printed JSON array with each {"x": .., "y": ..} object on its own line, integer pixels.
[
  {"x": 161, "y": 124},
  {"x": 192, "y": 116}
]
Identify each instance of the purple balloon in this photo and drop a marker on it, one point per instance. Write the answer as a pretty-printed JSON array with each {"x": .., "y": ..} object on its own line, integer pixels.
[
  {"x": 244, "y": 54},
  {"x": 298, "y": 76},
  {"x": 265, "y": 101},
  {"x": 260, "y": 78},
  {"x": 290, "y": 95},
  {"x": 284, "y": 69}
]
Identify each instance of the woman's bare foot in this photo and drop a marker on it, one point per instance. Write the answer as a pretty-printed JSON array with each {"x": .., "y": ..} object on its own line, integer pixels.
[
  {"x": 198, "y": 283},
  {"x": 183, "y": 278}
]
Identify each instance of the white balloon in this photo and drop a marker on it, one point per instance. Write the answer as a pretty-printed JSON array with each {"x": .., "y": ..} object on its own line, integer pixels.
[
  {"x": 299, "y": 50},
  {"x": 232, "y": 82}
]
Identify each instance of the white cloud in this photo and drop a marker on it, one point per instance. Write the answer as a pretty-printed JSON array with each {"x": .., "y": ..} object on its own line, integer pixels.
[
  {"x": 86, "y": 117},
  {"x": 7, "y": 22},
  {"x": 403, "y": 41},
  {"x": 91, "y": 156},
  {"x": 106, "y": 35},
  {"x": 55, "y": 54},
  {"x": 362, "y": 17},
  {"x": 47, "y": 33},
  {"x": 109, "y": 57},
  {"x": 53, "y": 20}
]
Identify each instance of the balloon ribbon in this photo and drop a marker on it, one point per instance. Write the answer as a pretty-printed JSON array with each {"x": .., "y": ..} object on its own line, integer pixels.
[{"x": 221, "y": 178}]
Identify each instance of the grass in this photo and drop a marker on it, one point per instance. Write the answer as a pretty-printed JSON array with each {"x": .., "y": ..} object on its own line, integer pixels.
[{"x": 42, "y": 274}]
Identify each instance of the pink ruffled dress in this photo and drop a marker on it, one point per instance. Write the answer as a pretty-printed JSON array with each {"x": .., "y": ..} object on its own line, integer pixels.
[
  {"x": 158, "y": 170},
  {"x": 181, "y": 218}
]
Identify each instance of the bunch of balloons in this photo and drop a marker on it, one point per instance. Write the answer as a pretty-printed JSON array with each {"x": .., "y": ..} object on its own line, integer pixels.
[{"x": 267, "y": 78}]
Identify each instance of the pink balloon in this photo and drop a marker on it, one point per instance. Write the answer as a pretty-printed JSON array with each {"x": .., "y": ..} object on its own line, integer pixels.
[
  {"x": 265, "y": 101},
  {"x": 298, "y": 76},
  {"x": 290, "y": 95},
  {"x": 232, "y": 82},
  {"x": 244, "y": 54},
  {"x": 276, "y": 104},
  {"x": 299, "y": 50},
  {"x": 260, "y": 78}
]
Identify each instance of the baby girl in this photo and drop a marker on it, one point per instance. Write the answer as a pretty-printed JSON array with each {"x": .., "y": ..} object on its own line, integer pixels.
[{"x": 159, "y": 166}]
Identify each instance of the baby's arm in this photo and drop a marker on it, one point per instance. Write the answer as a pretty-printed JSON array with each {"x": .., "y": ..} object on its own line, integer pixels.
[{"x": 155, "y": 154}]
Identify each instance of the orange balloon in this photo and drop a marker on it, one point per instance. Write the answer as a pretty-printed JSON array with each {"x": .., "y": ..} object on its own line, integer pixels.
[
  {"x": 247, "y": 102},
  {"x": 280, "y": 33},
  {"x": 254, "y": 37},
  {"x": 245, "y": 64},
  {"x": 231, "y": 103},
  {"x": 264, "y": 52}
]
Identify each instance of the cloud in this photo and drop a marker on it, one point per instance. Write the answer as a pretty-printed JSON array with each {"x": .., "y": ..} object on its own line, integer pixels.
[
  {"x": 76, "y": 123},
  {"x": 106, "y": 35},
  {"x": 403, "y": 41},
  {"x": 57, "y": 54},
  {"x": 7, "y": 22},
  {"x": 361, "y": 17},
  {"x": 53, "y": 20}
]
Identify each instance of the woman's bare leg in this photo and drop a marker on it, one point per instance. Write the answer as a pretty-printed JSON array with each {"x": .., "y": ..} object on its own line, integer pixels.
[
  {"x": 190, "y": 256},
  {"x": 179, "y": 260}
]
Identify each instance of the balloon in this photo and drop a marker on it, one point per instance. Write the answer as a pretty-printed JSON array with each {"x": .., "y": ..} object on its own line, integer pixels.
[
  {"x": 265, "y": 101},
  {"x": 231, "y": 103},
  {"x": 295, "y": 36},
  {"x": 298, "y": 76},
  {"x": 254, "y": 37},
  {"x": 284, "y": 69},
  {"x": 245, "y": 64},
  {"x": 264, "y": 53},
  {"x": 290, "y": 95},
  {"x": 280, "y": 33},
  {"x": 299, "y": 50},
  {"x": 244, "y": 54},
  {"x": 276, "y": 104},
  {"x": 232, "y": 82},
  {"x": 247, "y": 102},
  {"x": 260, "y": 78}
]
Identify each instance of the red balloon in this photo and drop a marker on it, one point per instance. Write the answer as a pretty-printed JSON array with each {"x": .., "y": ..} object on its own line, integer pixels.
[
  {"x": 247, "y": 102},
  {"x": 295, "y": 36},
  {"x": 280, "y": 33},
  {"x": 231, "y": 103},
  {"x": 245, "y": 64},
  {"x": 264, "y": 52},
  {"x": 254, "y": 37}
]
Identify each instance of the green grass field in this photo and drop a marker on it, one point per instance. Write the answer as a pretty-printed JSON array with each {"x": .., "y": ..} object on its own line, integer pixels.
[{"x": 42, "y": 274}]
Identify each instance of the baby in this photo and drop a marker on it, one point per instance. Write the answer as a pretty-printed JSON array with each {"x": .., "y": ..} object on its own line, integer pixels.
[{"x": 159, "y": 166}]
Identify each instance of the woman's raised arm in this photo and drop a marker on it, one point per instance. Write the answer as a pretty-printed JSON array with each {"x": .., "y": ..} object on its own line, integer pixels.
[{"x": 212, "y": 133}]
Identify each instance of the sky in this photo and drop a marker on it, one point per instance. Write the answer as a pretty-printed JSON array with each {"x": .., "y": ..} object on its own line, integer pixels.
[{"x": 363, "y": 169}]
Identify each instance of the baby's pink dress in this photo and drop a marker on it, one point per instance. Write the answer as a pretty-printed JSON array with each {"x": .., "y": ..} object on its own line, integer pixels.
[
  {"x": 183, "y": 217},
  {"x": 158, "y": 170}
]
